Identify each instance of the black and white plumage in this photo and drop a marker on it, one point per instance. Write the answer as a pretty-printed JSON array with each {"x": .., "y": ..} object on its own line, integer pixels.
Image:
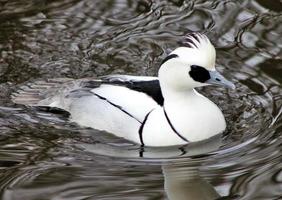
[{"x": 153, "y": 111}]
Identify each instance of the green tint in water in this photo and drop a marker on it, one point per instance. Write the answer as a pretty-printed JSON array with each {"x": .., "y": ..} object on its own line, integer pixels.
[{"x": 43, "y": 156}]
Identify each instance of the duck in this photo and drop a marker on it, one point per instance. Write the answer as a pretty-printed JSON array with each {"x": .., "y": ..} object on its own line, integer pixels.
[{"x": 151, "y": 111}]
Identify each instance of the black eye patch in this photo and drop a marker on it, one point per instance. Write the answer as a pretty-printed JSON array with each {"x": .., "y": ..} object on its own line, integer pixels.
[{"x": 199, "y": 73}]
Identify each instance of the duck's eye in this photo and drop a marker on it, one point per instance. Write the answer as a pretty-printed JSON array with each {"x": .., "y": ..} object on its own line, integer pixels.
[{"x": 199, "y": 73}]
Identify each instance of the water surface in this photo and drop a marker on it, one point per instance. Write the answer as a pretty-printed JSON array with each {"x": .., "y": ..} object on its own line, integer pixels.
[{"x": 44, "y": 156}]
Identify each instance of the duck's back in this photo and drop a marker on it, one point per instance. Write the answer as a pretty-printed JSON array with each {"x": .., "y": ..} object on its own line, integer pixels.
[{"x": 113, "y": 104}]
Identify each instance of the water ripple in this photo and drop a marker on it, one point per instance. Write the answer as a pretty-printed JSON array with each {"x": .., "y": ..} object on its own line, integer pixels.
[{"x": 44, "y": 155}]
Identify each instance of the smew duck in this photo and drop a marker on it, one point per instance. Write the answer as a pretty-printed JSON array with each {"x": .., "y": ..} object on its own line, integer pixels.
[{"x": 153, "y": 111}]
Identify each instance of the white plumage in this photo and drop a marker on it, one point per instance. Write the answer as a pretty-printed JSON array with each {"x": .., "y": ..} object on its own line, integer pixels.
[{"x": 152, "y": 111}]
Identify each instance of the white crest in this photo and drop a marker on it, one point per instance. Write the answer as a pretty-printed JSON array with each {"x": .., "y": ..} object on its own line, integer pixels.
[{"x": 197, "y": 49}]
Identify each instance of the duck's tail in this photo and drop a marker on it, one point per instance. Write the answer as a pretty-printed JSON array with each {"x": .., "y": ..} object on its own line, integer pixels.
[{"x": 44, "y": 92}]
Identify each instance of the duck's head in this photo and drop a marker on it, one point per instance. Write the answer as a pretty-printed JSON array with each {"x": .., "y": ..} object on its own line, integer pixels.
[{"x": 191, "y": 65}]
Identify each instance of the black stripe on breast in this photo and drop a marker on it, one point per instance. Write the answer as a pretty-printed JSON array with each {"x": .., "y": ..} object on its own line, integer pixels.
[
  {"x": 172, "y": 127},
  {"x": 140, "y": 131},
  {"x": 117, "y": 106}
]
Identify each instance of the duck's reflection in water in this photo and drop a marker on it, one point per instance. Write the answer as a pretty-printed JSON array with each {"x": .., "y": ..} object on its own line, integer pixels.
[
  {"x": 182, "y": 177},
  {"x": 183, "y": 182},
  {"x": 180, "y": 166}
]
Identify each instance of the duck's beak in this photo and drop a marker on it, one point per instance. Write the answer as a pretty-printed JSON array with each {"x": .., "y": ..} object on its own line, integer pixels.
[{"x": 217, "y": 79}]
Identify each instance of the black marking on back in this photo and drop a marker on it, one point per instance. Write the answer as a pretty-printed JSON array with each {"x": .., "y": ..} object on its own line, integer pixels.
[
  {"x": 172, "y": 127},
  {"x": 117, "y": 106},
  {"x": 171, "y": 56},
  {"x": 54, "y": 110},
  {"x": 140, "y": 131},
  {"x": 199, "y": 74},
  {"x": 151, "y": 88}
]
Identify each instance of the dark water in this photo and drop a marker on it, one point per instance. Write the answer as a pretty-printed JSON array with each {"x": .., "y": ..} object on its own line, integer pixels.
[{"x": 43, "y": 156}]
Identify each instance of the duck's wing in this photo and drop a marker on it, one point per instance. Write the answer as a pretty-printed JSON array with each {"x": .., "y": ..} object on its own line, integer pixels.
[
  {"x": 148, "y": 85},
  {"x": 42, "y": 92},
  {"x": 117, "y": 104},
  {"x": 49, "y": 91}
]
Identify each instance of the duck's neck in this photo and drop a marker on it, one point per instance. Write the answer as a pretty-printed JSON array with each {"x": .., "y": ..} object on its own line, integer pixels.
[{"x": 177, "y": 98}]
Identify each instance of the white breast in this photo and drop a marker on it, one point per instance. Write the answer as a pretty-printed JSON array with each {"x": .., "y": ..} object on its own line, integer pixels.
[
  {"x": 195, "y": 118},
  {"x": 157, "y": 131}
]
